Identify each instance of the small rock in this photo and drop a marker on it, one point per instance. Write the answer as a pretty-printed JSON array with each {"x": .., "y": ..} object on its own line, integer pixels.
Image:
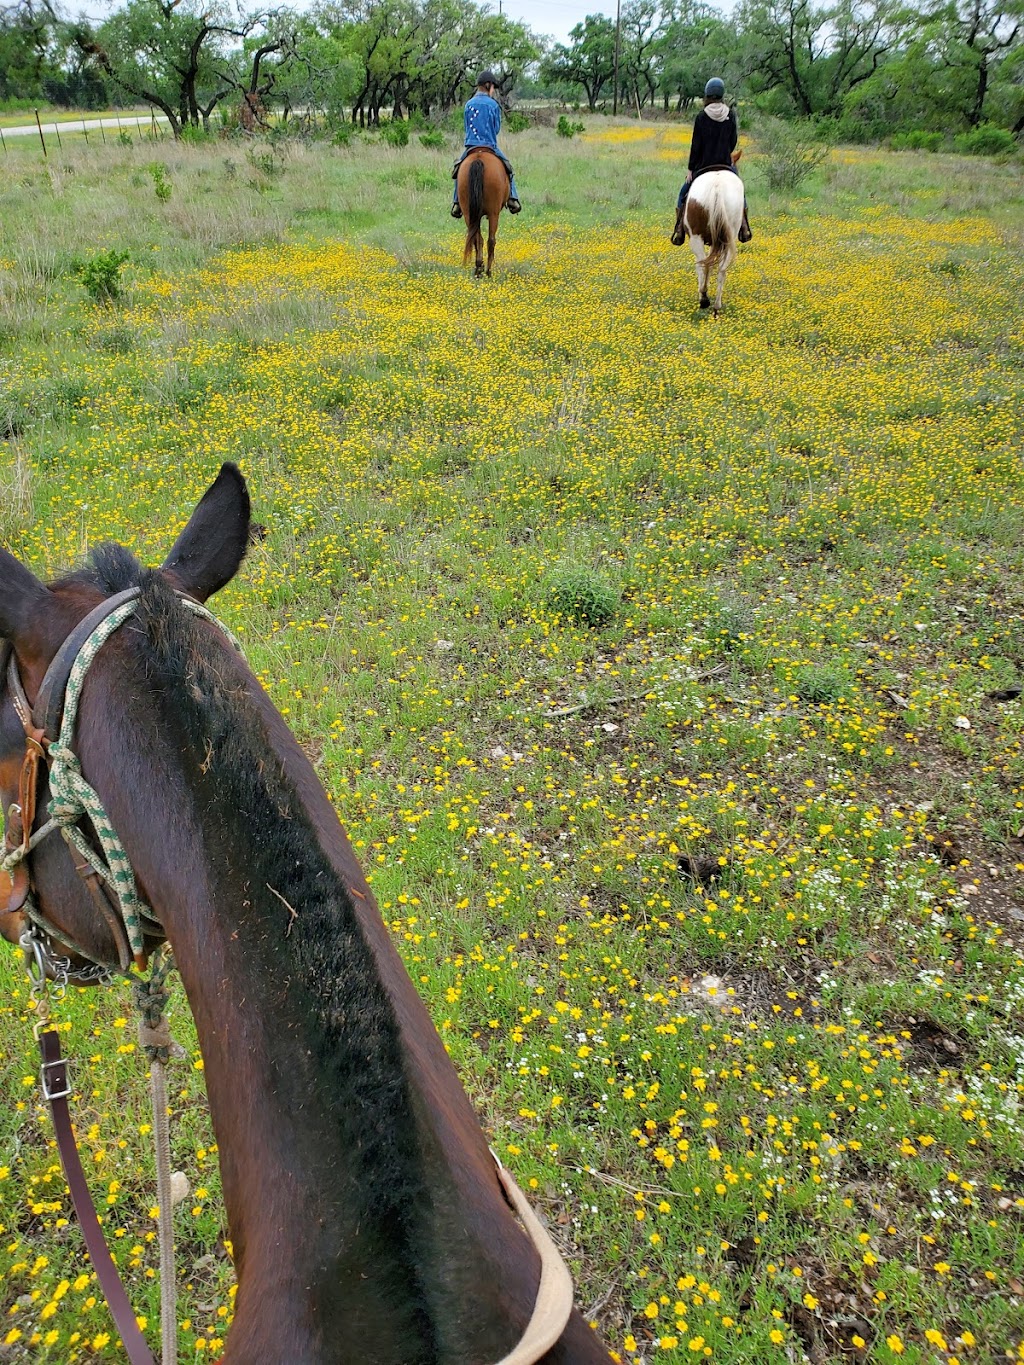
[
  {"x": 969, "y": 889},
  {"x": 443, "y": 645},
  {"x": 962, "y": 723},
  {"x": 179, "y": 1188}
]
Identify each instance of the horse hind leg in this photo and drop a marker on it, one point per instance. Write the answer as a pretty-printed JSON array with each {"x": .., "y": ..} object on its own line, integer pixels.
[
  {"x": 723, "y": 266},
  {"x": 721, "y": 287},
  {"x": 492, "y": 237},
  {"x": 703, "y": 271},
  {"x": 478, "y": 242}
]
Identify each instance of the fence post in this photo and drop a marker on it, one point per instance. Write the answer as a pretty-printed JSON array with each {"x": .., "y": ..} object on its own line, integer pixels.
[{"x": 41, "y": 138}]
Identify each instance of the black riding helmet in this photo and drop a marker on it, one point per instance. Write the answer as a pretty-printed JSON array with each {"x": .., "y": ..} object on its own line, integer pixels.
[{"x": 486, "y": 78}]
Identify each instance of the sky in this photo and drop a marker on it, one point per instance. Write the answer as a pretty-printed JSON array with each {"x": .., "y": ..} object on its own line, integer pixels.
[{"x": 553, "y": 17}]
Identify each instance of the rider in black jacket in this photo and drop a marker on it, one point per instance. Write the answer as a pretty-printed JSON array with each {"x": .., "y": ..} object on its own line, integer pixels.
[{"x": 715, "y": 135}]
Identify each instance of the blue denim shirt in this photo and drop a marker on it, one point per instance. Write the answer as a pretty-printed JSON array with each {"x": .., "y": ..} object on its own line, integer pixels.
[{"x": 483, "y": 121}]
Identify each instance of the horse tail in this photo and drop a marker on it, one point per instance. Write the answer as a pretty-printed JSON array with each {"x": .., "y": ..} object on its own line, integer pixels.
[
  {"x": 476, "y": 206},
  {"x": 724, "y": 235}
]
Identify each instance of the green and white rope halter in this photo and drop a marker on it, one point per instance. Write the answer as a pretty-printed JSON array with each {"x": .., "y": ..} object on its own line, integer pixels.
[{"x": 72, "y": 797}]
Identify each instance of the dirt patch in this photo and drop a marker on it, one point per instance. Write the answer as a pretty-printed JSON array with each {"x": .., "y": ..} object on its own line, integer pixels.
[{"x": 929, "y": 1046}]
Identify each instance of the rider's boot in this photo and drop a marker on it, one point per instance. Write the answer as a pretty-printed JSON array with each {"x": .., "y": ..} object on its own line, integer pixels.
[
  {"x": 514, "y": 205},
  {"x": 745, "y": 233},
  {"x": 456, "y": 210}
]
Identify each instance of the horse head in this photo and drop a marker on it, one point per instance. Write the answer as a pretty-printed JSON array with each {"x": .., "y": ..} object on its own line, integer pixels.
[{"x": 52, "y": 886}]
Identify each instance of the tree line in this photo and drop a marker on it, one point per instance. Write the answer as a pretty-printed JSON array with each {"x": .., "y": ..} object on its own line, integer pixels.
[{"x": 858, "y": 68}]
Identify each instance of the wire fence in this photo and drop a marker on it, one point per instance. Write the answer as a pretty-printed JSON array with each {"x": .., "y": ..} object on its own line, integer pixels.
[{"x": 121, "y": 127}]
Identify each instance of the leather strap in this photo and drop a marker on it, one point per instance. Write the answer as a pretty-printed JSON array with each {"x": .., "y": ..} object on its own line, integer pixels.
[
  {"x": 554, "y": 1292},
  {"x": 49, "y": 706},
  {"x": 56, "y": 1090}
]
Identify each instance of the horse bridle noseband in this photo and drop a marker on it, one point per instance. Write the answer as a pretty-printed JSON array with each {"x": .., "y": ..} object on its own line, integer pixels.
[{"x": 49, "y": 732}]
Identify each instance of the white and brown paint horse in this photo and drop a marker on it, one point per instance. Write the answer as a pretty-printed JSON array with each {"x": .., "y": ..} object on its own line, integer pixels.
[{"x": 712, "y": 214}]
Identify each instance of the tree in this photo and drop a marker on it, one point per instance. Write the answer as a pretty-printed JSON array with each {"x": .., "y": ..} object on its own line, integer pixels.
[
  {"x": 174, "y": 55},
  {"x": 971, "y": 39},
  {"x": 642, "y": 27},
  {"x": 589, "y": 59},
  {"x": 813, "y": 57},
  {"x": 27, "y": 49},
  {"x": 696, "y": 43}
]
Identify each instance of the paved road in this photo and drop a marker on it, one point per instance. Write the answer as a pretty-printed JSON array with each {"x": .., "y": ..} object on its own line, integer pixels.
[{"x": 130, "y": 122}]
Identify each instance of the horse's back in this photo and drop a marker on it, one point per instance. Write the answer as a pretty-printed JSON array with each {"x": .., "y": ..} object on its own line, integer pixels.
[
  {"x": 724, "y": 187},
  {"x": 714, "y": 207}
]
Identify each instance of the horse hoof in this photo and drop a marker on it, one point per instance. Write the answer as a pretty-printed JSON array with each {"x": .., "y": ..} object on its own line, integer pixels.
[{"x": 705, "y": 302}]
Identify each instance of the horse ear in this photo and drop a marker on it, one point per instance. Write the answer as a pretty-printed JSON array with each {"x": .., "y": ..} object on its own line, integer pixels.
[
  {"x": 23, "y": 599},
  {"x": 208, "y": 552}
]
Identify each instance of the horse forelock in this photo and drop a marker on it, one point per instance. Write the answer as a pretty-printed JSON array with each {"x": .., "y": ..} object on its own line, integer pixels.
[{"x": 109, "y": 567}]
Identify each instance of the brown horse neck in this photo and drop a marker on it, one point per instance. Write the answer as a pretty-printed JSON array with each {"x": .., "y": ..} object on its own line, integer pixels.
[{"x": 362, "y": 1201}]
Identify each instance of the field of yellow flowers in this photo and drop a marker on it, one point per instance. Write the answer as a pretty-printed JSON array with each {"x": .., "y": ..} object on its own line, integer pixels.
[{"x": 663, "y": 671}]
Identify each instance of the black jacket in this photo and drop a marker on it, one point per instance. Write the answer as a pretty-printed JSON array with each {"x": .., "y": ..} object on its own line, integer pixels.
[{"x": 713, "y": 141}]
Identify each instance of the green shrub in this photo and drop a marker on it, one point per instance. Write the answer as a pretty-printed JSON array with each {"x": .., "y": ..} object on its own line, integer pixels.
[
  {"x": 267, "y": 161},
  {"x": 433, "y": 138},
  {"x": 986, "y": 140},
  {"x": 125, "y": 139},
  {"x": 821, "y": 683},
  {"x": 101, "y": 275},
  {"x": 344, "y": 135},
  {"x": 161, "y": 185},
  {"x": 567, "y": 129},
  {"x": 395, "y": 134},
  {"x": 788, "y": 154},
  {"x": 917, "y": 140},
  {"x": 580, "y": 594},
  {"x": 518, "y": 122}
]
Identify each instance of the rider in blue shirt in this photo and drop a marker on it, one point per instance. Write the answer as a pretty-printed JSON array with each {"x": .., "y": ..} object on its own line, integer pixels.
[{"x": 483, "y": 124}]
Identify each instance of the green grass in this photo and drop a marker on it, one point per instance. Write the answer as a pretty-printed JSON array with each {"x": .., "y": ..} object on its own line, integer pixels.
[{"x": 715, "y": 903}]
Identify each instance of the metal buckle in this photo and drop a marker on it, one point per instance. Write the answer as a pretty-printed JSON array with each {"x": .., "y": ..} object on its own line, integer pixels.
[{"x": 55, "y": 1094}]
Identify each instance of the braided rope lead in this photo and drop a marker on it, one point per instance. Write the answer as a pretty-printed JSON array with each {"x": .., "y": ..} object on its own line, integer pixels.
[
  {"x": 151, "y": 999},
  {"x": 71, "y": 796}
]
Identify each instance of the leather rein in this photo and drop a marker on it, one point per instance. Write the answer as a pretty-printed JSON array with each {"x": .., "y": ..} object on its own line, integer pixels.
[{"x": 43, "y": 724}]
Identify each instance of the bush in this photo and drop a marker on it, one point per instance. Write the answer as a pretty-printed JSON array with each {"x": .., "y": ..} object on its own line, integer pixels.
[
  {"x": 433, "y": 138},
  {"x": 567, "y": 129},
  {"x": 986, "y": 140},
  {"x": 344, "y": 135},
  {"x": 395, "y": 134},
  {"x": 788, "y": 155},
  {"x": 101, "y": 275},
  {"x": 125, "y": 139},
  {"x": 516, "y": 121},
  {"x": 581, "y": 595},
  {"x": 161, "y": 185},
  {"x": 917, "y": 140},
  {"x": 821, "y": 684}
]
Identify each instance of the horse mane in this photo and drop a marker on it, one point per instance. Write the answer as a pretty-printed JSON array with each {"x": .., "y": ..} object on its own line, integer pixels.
[{"x": 302, "y": 935}]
